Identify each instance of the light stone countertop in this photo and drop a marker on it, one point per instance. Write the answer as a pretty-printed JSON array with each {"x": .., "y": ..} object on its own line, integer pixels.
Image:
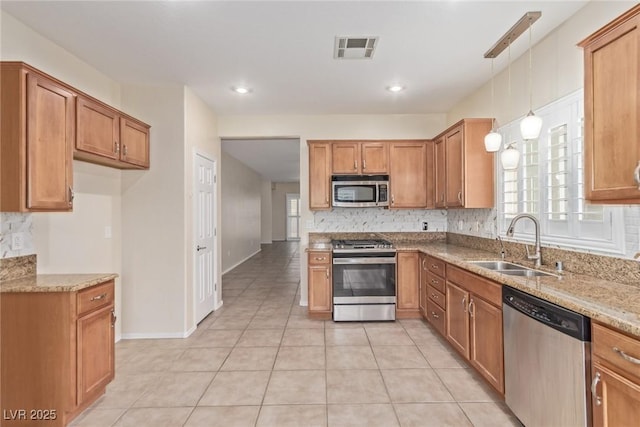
[
  {"x": 608, "y": 302},
  {"x": 55, "y": 282}
]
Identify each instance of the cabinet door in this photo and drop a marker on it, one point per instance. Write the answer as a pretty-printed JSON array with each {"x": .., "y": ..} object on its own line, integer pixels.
[
  {"x": 440, "y": 173},
  {"x": 408, "y": 274},
  {"x": 98, "y": 129},
  {"x": 408, "y": 174},
  {"x": 486, "y": 347},
  {"x": 319, "y": 175},
  {"x": 50, "y": 136},
  {"x": 375, "y": 158},
  {"x": 423, "y": 284},
  {"x": 616, "y": 401},
  {"x": 319, "y": 288},
  {"x": 96, "y": 366},
  {"x": 134, "y": 138},
  {"x": 431, "y": 174},
  {"x": 457, "y": 324},
  {"x": 345, "y": 158},
  {"x": 454, "y": 168}
]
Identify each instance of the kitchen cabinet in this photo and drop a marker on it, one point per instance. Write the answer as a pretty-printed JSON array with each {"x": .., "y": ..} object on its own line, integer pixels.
[
  {"x": 464, "y": 170},
  {"x": 57, "y": 352},
  {"x": 319, "y": 175},
  {"x": 106, "y": 136},
  {"x": 37, "y": 135},
  {"x": 423, "y": 285},
  {"x": 430, "y": 147},
  {"x": 320, "y": 283},
  {"x": 435, "y": 293},
  {"x": 408, "y": 174},
  {"x": 474, "y": 322},
  {"x": 360, "y": 158},
  {"x": 407, "y": 284},
  {"x": 612, "y": 111},
  {"x": 615, "y": 377}
]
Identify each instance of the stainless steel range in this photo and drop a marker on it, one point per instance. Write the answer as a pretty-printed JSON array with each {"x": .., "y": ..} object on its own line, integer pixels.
[{"x": 364, "y": 280}]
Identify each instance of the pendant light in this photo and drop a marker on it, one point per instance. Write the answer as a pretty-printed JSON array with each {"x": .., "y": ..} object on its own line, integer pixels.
[
  {"x": 531, "y": 125},
  {"x": 510, "y": 156},
  {"x": 493, "y": 140}
]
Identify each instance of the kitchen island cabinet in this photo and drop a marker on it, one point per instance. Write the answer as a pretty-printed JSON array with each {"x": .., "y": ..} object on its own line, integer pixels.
[{"x": 58, "y": 349}]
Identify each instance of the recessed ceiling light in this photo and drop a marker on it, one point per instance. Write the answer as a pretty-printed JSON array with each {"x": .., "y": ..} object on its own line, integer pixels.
[
  {"x": 395, "y": 88},
  {"x": 241, "y": 90}
]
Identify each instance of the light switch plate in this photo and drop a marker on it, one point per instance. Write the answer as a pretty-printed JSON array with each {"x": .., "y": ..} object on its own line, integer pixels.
[{"x": 17, "y": 241}]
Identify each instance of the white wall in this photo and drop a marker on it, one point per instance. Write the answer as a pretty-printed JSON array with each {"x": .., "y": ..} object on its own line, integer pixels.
[
  {"x": 407, "y": 126},
  {"x": 241, "y": 193},
  {"x": 279, "y": 209},
  {"x": 266, "y": 213}
]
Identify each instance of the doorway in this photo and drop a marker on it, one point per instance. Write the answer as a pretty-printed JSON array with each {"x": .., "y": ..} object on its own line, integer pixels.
[
  {"x": 204, "y": 236},
  {"x": 293, "y": 216}
]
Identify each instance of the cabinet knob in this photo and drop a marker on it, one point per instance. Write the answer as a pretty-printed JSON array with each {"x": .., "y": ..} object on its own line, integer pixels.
[{"x": 636, "y": 175}]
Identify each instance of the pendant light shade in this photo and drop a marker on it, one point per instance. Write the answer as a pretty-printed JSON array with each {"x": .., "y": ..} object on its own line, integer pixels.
[
  {"x": 510, "y": 158},
  {"x": 492, "y": 141},
  {"x": 530, "y": 126}
]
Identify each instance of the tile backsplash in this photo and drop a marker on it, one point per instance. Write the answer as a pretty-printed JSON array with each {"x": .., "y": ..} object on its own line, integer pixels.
[
  {"x": 378, "y": 219},
  {"x": 10, "y": 223}
]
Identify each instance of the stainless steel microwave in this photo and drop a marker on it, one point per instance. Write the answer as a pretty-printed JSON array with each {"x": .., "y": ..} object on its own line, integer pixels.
[{"x": 360, "y": 191}]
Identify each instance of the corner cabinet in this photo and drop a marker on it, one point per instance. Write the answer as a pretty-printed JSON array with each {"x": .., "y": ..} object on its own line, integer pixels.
[
  {"x": 408, "y": 174},
  {"x": 319, "y": 175},
  {"x": 615, "y": 387},
  {"x": 612, "y": 111},
  {"x": 320, "y": 292},
  {"x": 37, "y": 124},
  {"x": 58, "y": 352},
  {"x": 464, "y": 175}
]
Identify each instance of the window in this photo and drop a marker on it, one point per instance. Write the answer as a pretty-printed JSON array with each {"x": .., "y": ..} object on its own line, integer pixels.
[
  {"x": 549, "y": 184},
  {"x": 293, "y": 216}
]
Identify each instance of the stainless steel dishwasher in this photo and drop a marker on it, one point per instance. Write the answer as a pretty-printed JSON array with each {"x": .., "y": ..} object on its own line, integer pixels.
[{"x": 546, "y": 361}]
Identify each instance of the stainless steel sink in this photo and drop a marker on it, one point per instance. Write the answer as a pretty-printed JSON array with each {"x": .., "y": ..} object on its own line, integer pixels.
[{"x": 511, "y": 269}]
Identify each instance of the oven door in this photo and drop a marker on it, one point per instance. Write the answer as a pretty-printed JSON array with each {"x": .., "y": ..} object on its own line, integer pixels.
[
  {"x": 355, "y": 194},
  {"x": 364, "y": 278}
]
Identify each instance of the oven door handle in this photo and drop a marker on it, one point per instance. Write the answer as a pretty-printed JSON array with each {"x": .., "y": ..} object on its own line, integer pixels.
[{"x": 380, "y": 260}]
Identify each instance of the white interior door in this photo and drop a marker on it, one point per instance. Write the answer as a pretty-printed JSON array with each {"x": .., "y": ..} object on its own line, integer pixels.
[
  {"x": 204, "y": 236},
  {"x": 293, "y": 216}
]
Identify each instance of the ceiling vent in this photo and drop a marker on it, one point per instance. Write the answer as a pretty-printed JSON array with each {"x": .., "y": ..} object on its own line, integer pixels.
[{"x": 355, "y": 47}]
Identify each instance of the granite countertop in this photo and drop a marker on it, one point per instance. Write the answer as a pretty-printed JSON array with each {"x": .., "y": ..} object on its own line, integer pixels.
[
  {"x": 54, "y": 282},
  {"x": 608, "y": 302}
]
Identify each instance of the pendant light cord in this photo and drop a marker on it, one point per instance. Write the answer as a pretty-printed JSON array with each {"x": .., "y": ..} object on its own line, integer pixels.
[
  {"x": 530, "y": 71},
  {"x": 493, "y": 105}
]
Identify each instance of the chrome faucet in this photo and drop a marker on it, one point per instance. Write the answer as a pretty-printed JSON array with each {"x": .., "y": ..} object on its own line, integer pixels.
[{"x": 537, "y": 257}]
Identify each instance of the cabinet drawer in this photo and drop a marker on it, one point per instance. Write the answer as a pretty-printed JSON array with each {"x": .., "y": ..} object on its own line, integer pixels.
[
  {"x": 616, "y": 348},
  {"x": 484, "y": 288},
  {"x": 436, "y": 296},
  {"x": 316, "y": 258},
  {"x": 435, "y": 316},
  {"x": 436, "y": 282},
  {"x": 94, "y": 297},
  {"x": 436, "y": 266}
]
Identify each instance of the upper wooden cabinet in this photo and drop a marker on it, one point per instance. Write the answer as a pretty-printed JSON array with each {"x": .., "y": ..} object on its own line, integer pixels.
[
  {"x": 319, "y": 175},
  {"x": 37, "y": 124},
  {"x": 360, "y": 158},
  {"x": 612, "y": 111},
  {"x": 106, "y": 136},
  {"x": 408, "y": 174},
  {"x": 464, "y": 170}
]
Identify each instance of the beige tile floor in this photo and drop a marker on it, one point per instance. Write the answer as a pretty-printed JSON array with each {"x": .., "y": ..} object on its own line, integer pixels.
[{"x": 259, "y": 361}]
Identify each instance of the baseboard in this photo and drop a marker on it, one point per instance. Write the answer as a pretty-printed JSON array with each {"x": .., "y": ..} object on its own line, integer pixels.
[
  {"x": 218, "y": 306},
  {"x": 304, "y": 303},
  {"x": 154, "y": 336},
  {"x": 240, "y": 262}
]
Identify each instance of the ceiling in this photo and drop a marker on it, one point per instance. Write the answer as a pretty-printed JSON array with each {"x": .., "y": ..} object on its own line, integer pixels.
[
  {"x": 284, "y": 50},
  {"x": 277, "y": 160}
]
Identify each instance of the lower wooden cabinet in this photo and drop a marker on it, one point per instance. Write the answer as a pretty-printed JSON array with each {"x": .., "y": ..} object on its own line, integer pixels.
[
  {"x": 57, "y": 353},
  {"x": 407, "y": 285},
  {"x": 615, "y": 378},
  {"x": 422, "y": 289},
  {"x": 457, "y": 323},
  {"x": 320, "y": 282}
]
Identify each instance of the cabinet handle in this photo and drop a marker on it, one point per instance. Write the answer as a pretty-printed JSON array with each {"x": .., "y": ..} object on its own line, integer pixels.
[
  {"x": 124, "y": 150},
  {"x": 594, "y": 391},
  {"x": 435, "y": 316},
  {"x": 113, "y": 318},
  {"x": 72, "y": 195},
  {"x": 434, "y": 266},
  {"x": 116, "y": 147},
  {"x": 636, "y": 175},
  {"x": 355, "y": 165},
  {"x": 626, "y": 357},
  {"x": 434, "y": 281},
  {"x": 442, "y": 198},
  {"x": 424, "y": 267},
  {"x": 470, "y": 306},
  {"x": 364, "y": 164},
  {"x": 434, "y": 296},
  {"x": 99, "y": 297},
  {"x": 393, "y": 199},
  {"x": 320, "y": 258},
  {"x": 464, "y": 304},
  {"x": 327, "y": 273},
  {"x": 460, "y": 196}
]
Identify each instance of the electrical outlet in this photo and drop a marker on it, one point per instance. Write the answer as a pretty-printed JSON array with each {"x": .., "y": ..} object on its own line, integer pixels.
[
  {"x": 477, "y": 225},
  {"x": 425, "y": 226},
  {"x": 17, "y": 241}
]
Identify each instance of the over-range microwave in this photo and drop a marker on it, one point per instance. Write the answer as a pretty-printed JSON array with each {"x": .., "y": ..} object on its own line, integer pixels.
[{"x": 360, "y": 191}]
